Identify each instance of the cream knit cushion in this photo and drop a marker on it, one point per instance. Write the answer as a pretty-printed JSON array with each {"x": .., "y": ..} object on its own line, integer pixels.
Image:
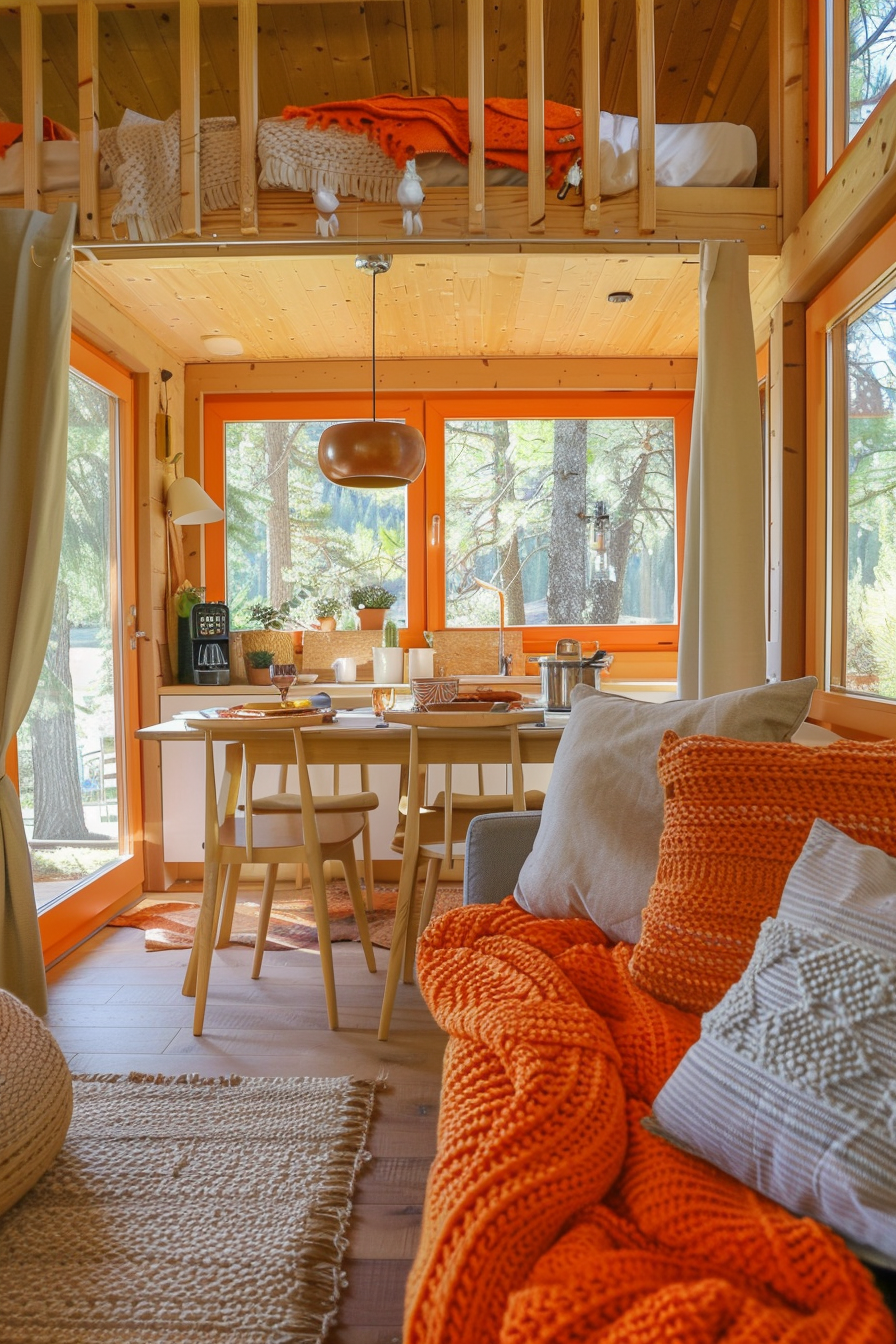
[
  {"x": 35, "y": 1099},
  {"x": 597, "y": 848}
]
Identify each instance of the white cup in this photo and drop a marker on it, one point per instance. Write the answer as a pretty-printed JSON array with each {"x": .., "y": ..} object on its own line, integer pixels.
[
  {"x": 420, "y": 663},
  {"x": 345, "y": 669},
  {"x": 388, "y": 665}
]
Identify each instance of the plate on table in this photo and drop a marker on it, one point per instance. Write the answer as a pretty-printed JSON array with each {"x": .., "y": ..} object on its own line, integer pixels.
[{"x": 266, "y": 716}]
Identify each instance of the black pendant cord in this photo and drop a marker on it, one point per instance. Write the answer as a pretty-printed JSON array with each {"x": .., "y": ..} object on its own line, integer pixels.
[{"x": 373, "y": 360}]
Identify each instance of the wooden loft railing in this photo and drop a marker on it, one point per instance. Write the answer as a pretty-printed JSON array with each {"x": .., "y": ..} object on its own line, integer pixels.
[{"x": 664, "y": 214}]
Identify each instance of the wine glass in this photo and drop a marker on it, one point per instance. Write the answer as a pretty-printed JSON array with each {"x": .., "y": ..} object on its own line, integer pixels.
[
  {"x": 382, "y": 698},
  {"x": 282, "y": 676}
]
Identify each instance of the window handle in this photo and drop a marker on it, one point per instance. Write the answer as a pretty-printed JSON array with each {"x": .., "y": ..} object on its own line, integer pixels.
[{"x": 435, "y": 529}]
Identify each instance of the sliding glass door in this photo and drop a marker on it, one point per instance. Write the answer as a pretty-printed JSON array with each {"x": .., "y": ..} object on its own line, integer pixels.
[{"x": 75, "y": 757}]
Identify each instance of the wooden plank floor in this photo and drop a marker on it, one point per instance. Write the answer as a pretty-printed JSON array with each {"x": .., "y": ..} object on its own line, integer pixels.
[{"x": 115, "y": 1007}]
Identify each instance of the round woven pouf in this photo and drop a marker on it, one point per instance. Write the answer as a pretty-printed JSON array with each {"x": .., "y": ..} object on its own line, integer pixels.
[{"x": 35, "y": 1099}]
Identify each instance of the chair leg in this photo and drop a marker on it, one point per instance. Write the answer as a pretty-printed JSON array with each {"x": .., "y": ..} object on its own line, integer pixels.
[
  {"x": 367, "y": 852},
  {"x": 429, "y": 893},
  {"x": 322, "y": 920},
  {"x": 205, "y": 936},
  {"x": 189, "y": 986},
  {"x": 410, "y": 939},
  {"x": 264, "y": 917},
  {"x": 225, "y": 926},
  {"x": 406, "y": 887},
  {"x": 353, "y": 882}
]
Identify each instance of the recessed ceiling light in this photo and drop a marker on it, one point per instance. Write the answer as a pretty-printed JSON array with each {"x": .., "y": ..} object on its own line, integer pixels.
[
  {"x": 620, "y": 296},
  {"x": 222, "y": 345}
]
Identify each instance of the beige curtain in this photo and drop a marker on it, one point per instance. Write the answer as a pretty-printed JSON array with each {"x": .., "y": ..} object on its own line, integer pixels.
[
  {"x": 722, "y": 631},
  {"x": 35, "y": 327}
]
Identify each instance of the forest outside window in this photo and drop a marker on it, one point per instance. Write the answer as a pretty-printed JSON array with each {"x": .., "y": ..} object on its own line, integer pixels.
[
  {"x": 574, "y": 519},
  {"x": 861, "y": 66},
  {"x": 863, "y": 366}
]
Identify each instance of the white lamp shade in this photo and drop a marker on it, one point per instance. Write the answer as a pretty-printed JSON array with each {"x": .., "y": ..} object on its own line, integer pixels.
[{"x": 188, "y": 503}]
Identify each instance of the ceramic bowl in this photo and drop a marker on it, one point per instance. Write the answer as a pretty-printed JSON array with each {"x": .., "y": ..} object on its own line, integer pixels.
[{"x": 431, "y": 691}]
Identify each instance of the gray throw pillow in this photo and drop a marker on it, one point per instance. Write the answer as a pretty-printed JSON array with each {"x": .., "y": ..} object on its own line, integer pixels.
[
  {"x": 791, "y": 1087},
  {"x": 597, "y": 848}
]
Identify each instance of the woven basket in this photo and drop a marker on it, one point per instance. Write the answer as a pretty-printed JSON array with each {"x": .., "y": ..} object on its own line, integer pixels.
[
  {"x": 37, "y": 1099},
  {"x": 278, "y": 641}
]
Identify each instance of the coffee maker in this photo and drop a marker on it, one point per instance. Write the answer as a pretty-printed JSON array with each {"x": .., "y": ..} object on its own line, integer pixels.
[{"x": 210, "y": 644}]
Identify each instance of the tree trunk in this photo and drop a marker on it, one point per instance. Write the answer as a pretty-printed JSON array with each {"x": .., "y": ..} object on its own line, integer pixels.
[
  {"x": 606, "y": 594},
  {"x": 568, "y": 544},
  {"x": 511, "y": 566},
  {"x": 58, "y": 809},
  {"x": 278, "y": 439}
]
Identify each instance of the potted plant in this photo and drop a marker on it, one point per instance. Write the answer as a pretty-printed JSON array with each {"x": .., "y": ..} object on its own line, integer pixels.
[
  {"x": 371, "y": 602},
  {"x": 388, "y": 661},
  {"x": 326, "y": 609},
  {"x": 266, "y": 627},
  {"x": 258, "y": 663}
]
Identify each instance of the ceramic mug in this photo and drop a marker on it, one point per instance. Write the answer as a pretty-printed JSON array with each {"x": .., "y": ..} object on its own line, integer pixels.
[
  {"x": 345, "y": 669},
  {"x": 420, "y": 664}
]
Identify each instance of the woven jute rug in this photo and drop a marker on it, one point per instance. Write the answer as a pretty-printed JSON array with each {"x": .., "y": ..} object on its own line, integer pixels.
[
  {"x": 172, "y": 924},
  {"x": 188, "y": 1209}
]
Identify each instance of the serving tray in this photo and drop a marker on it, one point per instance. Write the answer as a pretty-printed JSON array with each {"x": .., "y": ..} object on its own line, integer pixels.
[
  {"x": 263, "y": 718},
  {"x": 463, "y": 718}
]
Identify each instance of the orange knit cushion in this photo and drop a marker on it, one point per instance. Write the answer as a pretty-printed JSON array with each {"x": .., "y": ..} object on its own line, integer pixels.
[{"x": 737, "y": 816}]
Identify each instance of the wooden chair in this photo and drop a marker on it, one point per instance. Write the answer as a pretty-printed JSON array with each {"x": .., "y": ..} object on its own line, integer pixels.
[
  {"x": 285, "y": 801},
  {"x": 447, "y": 747},
  {"x": 324, "y": 829}
]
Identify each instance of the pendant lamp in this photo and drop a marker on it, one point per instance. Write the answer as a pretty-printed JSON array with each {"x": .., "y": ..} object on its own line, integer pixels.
[{"x": 371, "y": 454}]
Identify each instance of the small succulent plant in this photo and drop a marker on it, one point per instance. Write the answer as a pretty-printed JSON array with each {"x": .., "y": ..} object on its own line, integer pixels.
[{"x": 372, "y": 595}]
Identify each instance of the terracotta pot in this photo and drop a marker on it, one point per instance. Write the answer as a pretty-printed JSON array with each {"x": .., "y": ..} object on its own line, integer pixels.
[
  {"x": 258, "y": 676},
  {"x": 372, "y": 618},
  {"x": 327, "y": 622}
]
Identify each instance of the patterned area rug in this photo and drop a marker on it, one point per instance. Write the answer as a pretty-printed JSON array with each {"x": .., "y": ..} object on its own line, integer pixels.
[
  {"x": 172, "y": 924},
  {"x": 188, "y": 1209}
]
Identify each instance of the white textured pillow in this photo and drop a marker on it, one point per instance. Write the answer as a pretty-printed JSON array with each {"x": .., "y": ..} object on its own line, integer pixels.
[
  {"x": 792, "y": 1085},
  {"x": 597, "y": 847}
]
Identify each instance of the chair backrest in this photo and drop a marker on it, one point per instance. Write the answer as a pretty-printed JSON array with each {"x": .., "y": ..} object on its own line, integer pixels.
[
  {"x": 450, "y": 747},
  {"x": 276, "y": 747}
]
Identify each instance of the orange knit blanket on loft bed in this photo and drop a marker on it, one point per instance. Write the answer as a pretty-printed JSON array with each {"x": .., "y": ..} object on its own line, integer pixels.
[
  {"x": 552, "y": 1216},
  {"x": 405, "y": 127}
]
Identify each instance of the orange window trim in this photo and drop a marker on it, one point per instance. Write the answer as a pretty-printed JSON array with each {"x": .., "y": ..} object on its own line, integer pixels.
[
  {"x": 72, "y": 919},
  {"x": 858, "y": 279}
]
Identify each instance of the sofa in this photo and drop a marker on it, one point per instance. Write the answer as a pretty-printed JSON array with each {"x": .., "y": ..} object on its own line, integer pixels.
[{"x": 557, "y": 1209}]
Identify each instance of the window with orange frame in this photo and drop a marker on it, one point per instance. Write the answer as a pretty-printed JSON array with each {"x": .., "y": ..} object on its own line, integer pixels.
[{"x": 570, "y": 503}]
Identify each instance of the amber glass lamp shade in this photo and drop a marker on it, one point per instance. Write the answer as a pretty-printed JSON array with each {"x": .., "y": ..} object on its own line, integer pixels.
[{"x": 371, "y": 454}]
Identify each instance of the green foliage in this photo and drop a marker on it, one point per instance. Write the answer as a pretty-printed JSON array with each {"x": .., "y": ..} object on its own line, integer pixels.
[
  {"x": 187, "y": 598},
  {"x": 327, "y": 606},
  {"x": 259, "y": 658},
  {"x": 372, "y": 595},
  {"x": 261, "y": 616},
  {"x": 390, "y": 635}
]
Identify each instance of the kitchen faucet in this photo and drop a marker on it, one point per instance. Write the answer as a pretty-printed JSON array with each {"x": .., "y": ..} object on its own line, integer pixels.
[{"x": 505, "y": 660}]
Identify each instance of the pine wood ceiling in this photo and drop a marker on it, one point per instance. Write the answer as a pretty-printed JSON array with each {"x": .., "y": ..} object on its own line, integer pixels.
[
  {"x": 441, "y": 306},
  {"x": 712, "y": 57}
]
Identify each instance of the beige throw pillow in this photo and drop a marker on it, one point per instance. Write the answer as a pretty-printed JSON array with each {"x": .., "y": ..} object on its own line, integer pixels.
[{"x": 597, "y": 848}]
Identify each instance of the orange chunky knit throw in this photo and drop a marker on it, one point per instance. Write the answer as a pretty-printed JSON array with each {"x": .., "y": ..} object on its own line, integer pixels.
[
  {"x": 405, "y": 127},
  {"x": 552, "y": 1216}
]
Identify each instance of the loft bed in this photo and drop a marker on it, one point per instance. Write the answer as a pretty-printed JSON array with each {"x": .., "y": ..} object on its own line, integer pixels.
[{"x": 617, "y": 194}]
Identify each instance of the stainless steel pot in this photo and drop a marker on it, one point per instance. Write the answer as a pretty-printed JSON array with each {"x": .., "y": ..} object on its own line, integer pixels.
[{"x": 563, "y": 670}]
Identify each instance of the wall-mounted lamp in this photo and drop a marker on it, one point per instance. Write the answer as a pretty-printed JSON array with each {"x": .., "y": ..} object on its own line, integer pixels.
[{"x": 189, "y": 504}]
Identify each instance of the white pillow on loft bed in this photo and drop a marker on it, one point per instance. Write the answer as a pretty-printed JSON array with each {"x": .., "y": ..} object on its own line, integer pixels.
[{"x": 59, "y": 163}]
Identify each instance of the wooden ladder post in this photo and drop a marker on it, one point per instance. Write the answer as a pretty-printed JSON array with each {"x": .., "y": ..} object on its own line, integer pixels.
[
  {"x": 88, "y": 119},
  {"x": 190, "y": 198},
  {"x": 646, "y": 117},
  {"x": 32, "y": 102},
  {"x": 535, "y": 90},
  {"x": 248, "y": 62},
  {"x": 476, "y": 114},
  {"x": 591, "y": 114}
]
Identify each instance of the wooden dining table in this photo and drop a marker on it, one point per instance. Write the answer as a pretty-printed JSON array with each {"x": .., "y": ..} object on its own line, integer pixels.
[{"x": 354, "y": 737}]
